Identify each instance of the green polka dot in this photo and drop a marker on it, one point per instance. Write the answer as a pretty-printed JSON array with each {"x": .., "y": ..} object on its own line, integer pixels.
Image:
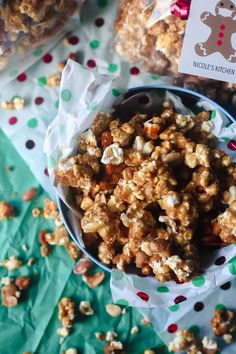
[
  {"x": 116, "y": 93},
  {"x": 92, "y": 106},
  {"x": 112, "y": 68},
  {"x": 163, "y": 289},
  {"x": 14, "y": 72},
  {"x": 42, "y": 81},
  {"x": 220, "y": 307},
  {"x": 38, "y": 52},
  {"x": 16, "y": 96},
  {"x": 102, "y": 3},
  {"x": 122, "y": 302},
  {"x": 194, "y": 329},
  {"x": 116, "y": 275},
  {"x": 32, "y": 123},
  {"x": 213, "y": 114},
  {"x": 51, "y": 162},
  {"x": 174, "y": 308},
  {"x": 57, "y": 104},
  {"x": 66, "y": 95},
  {"x": 226, "y": 140},
  {"x": 94, "y": 44},
  {"x": 155, "y": 76},
  {"x": 199, "y": 281},
  {"x": 232, "y": 265}
]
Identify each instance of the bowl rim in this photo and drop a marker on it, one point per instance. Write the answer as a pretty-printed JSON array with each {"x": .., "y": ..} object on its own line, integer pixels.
[{"x": 62, "y": 206}]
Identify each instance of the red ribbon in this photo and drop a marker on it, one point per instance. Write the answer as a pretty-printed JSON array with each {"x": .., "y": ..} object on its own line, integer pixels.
[{"x": 181, "y": 8}]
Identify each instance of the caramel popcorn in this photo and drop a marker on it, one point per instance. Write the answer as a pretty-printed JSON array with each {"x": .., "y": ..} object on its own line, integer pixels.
[
  {"x": 10, "y": 295},
  {"x": 12, "y": 263},
  {"x": 223, "y": 325},
  {"x": 85, "y": 308},
  {"x": 210, "y": 346},
  {"x": 73, "y": 250},
  {"x": 113, "y": 347},
  {"x": 6, "y": 211},
  {"x": 182, "y": 341},
  {"x": 145, "y": 187},
  {"x": 50, "y": 209},
  {"x": 66, "y": 312}
]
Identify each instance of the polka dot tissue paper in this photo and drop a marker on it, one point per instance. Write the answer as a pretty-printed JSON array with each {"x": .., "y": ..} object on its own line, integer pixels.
[{"x": 78, "y": 107}]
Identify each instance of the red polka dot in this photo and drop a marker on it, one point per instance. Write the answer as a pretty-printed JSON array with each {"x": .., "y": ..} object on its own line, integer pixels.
[
  {"x": 222, "y": 27},
  {"x": 91, "y": 63},
  {"x": 47, "y": 58},
  {"x": 172, "y": 328},
  {"x": 38, "y": 100},
  {"x": 99, "y": 22},
  {"x": 143, "y": 296},
  {"x": 219, "y": 42},
  {"x": 179, "y": 299},
  {"x": 46, "y": 172},
  {"x": 221, "y": 35},
  {"x": 220, "y": 261},
  {"x": 232, "y": 145},
  {"x": 22, "y": 77},
  {"x": 73, "y": 40},
  {"x": 134, "y": 70},
  {"x": 12, "y": 120}
]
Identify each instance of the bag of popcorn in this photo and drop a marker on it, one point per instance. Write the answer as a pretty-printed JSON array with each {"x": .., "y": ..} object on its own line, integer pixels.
[
  {"x": 25, "y": 25},
  {"x": 150, "y": 33}
]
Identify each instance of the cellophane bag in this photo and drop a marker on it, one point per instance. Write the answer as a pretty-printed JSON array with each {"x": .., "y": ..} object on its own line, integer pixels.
[
  {"x": 149, "y": 35},
  {"x": 27, "y": 24}
]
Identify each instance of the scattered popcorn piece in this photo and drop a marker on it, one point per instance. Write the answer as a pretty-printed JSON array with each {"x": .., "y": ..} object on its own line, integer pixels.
[
  {"x": 110, "y": 336},
  {"x": 113, "y": 310},
  {"x": 210, "y": 344},
  {"x": 113, "y": 347},
  {"x": 7, "y": 105},
  {"x": 93, "y": 280},
  {"x": 182, "y": 341},
  {"x": 63, "y": 331},
  {"x": 50, "y": 209},
  {"x": 85, "y": 308},
  {"x": 58, "y": 220},
  {"x": 6, "y": 211},
  {"x": 12, "y": 263},
  {"x": 36, "y": 212},
  {"x": 134, "y": 330},
  {"x": 24, "y": 247},
  {"x": 22, "y": 282},
  {"x": 31, "y": 261},
  {"x": 54, "y": 80},
  {"x": 100, "y": 336},
  {"x": 228, "y": 338},
  {"x": 73, "y": 250},
  {"x": 6, "y": 280},
  {"x": 29, "y": 195},
  {"x": 18, "y": 103},
  {"x": 10, "y": 295},
  {"x": 66, "y": 311},
  {"x": 123, "y": 312},
  {"x": 145, "y": 322},
  {"x": 71, "y": 351},
  {"x": 223, "y": 324}
]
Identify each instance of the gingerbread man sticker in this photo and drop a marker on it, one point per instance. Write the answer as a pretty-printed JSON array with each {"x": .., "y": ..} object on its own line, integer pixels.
[{"x": 223, "y": 26}]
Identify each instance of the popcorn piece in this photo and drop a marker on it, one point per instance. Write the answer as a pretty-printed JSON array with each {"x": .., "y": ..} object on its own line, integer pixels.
[
  {"x": 145, "y": 322},
  {"x": 210, "y": 345},
  {"x": 63, "y": 331},
  {"x": 54, "y": 80},
  {"x": 227, "y": 223},
  {"x": 66, "y": 312},
  {"x": 112, "y": 154},
  {"x": 6, "y": 281},
  {"x": 29, "y": 195},
  {"x": 93, "y": 280},
  {"x": 223, "y": 324},
  {"x": 86, "y": 308},
  {"x": 50, "y": 209},
  {"x": 22, "y": 282},
  {"x": 73, "y": 250},
  {"x": 182, "y": 341},
  {"x": 113, "y": 347},
  {"x": 100, "y": 336},
  {"x": 31, "y": 261},
  {"x": 110, "y": 336},
  {"x": 134, "y": 330},
  {"x": 24, "y": 247},
  {"x": 181, "y": 268},
  {"x": 113, "y": 310},
  {"x": 36, "y": 212},
  {"x": 45, "y": 250},
  {"x": 7, "y": 105},
  {"x": 230, "y": 195},
  {"x": 71, "y": 351},
  {"x": 6, "y": 211},
  {"x": 12, "y": 263},
  {"x": 18, "y": 103}
]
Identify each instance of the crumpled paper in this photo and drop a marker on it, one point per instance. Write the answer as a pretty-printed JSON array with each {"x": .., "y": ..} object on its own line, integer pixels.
[{"x": 96, "y": 94}]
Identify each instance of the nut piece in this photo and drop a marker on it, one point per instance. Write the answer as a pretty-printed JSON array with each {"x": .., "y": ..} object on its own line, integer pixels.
[
  {"x": 63, "y": 331},
  {"x": 85, "y": 308},
  {"x": 66, "y": 311},
  {"x": 113, "y": 310},
  {"x": 93, "y": 280},
  {"x": 10, "y": 295},
  {"x": 29, "y": 195},
  {"x": 22, "y": 282},
  {"x": 12, "y": 263},
  {"x": 6, "y": 211},
  {"x": 82, "y": 266},
  {"x": 73, "y": 250}
]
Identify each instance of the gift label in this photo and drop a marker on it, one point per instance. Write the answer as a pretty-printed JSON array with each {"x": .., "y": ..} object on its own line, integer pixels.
[{"x": 209, "y": 48}]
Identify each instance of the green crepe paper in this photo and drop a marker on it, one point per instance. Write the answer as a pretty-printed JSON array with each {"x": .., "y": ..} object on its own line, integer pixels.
[{"x": 31, "y": 326}]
